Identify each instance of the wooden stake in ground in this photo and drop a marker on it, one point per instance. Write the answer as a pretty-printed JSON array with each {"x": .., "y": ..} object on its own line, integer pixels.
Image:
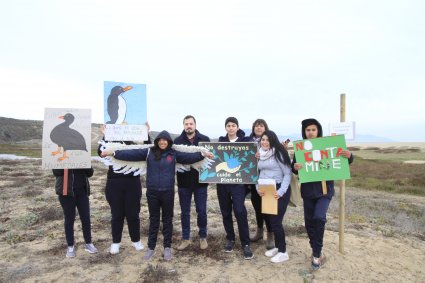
[{"x": 342, "y": 189}]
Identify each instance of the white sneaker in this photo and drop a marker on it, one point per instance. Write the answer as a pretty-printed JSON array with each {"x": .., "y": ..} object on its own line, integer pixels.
[
  {"x": 70, "y": 251},
  {"x": 280, "y": 257},
  {"x": 138, "y": 246},
  {"x": 115, "y": 248},
  {"x": 90, "y": 248},
  {"x": 271, "y": 252}
]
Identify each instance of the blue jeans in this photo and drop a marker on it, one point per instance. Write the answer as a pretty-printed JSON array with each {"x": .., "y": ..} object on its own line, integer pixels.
[{"x": 185, "y": 198}]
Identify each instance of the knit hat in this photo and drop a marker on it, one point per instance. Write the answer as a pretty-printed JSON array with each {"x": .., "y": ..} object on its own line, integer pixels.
[
  {"x": 307, "y": 122},
  {"x": 232, "y": 120}
]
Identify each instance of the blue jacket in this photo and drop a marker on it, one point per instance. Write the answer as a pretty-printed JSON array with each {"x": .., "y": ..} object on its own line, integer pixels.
[
  {"x": 160, "y": 173},
  {"x": 190, "y": 178}
]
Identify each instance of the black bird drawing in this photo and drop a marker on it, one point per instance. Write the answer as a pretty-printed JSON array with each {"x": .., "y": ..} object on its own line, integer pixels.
[
  {"x": 117, "y": 106},
  {"x": 66, "y": 138}
]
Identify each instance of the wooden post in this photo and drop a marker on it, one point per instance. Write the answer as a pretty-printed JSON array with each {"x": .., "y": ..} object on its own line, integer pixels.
[{"x": 342, "y": 189}]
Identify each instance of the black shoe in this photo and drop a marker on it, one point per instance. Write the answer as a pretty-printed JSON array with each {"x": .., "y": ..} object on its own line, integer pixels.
[
  {"x": 229, "y": 246},
  {"x": 247, "y": 253}
]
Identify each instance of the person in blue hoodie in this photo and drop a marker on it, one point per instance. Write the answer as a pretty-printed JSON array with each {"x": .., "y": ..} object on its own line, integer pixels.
[
  {"x": 189, "y": 186},
  {"x": 160, "y": 179},
  {"x": 232, "y": 196},
  {"x": 316, "y": 201}
]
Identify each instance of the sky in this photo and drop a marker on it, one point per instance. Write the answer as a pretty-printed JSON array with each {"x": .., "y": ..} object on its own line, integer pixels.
[{"x": 282, "y": 61}]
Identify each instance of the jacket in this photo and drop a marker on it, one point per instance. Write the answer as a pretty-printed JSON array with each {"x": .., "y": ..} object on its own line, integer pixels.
[
  {"x": 190, "y": 178},
  {"x": 160, "y": 173},
  {"x": 76, "y": 178}
]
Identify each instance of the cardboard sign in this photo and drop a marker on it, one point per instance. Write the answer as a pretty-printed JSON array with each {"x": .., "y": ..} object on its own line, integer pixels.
[
  {"x": 66, "y": 138},
  {"x": 235, "y": 163},
  {"x": 343, "y": 128},
  {"x": 268, "y": 202},
  {"x": 321, "y": 159},
  {"x": 125, "y": 111}
]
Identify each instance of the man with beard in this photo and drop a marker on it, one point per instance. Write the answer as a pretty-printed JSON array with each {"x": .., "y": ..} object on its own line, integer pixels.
[{"x": 188, "y": 185}]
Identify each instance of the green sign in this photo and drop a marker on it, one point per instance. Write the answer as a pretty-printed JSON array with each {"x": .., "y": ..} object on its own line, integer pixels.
[
  {"x": 234, "y": 163},
  {"x": 321, "y": 159}
]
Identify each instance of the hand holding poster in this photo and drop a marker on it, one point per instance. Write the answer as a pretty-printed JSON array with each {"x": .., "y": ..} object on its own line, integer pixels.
[{"x": 321, "y": 159}]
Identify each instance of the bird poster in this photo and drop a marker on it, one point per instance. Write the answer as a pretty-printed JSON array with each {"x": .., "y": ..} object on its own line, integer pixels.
[
  {"x": 234, "y": 163},
  {"x": 125, "y": 111},
  {"x": 66, "y": 138}
]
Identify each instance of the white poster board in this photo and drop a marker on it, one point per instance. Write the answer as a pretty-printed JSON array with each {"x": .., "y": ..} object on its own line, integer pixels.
[
  {"x": 66, "y": 138},
  {"x": 343, "y": 128}
]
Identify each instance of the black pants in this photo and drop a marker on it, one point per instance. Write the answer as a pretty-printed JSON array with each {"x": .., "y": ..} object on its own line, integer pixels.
[
  {"x": 315, "y": 219},
  {"x": 275, "y": 221},
  {"x": 123, "y": 196},
  {"x": 232, "y": 197},
  {"x": 157, "y": 201},
  {"x": 80, "y": 200},
  {"x": 256, "y": 203}
]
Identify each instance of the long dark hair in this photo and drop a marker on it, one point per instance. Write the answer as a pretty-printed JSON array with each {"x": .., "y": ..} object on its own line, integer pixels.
[
  {"x": 259, "y": 122},
  {"x": 280, "y": 153},
  {"x": 157, "y": 151}
]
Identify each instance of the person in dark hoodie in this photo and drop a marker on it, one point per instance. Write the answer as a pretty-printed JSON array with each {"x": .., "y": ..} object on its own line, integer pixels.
[
  {"x": 188, "y": 185},
  {"x": 73, "y": 189},
  {"x": 232, "y": 196},
  {"x": 316, "y": 200},
  {"x": 124, "y": 193},
  {"x": 160, "y": 179}
]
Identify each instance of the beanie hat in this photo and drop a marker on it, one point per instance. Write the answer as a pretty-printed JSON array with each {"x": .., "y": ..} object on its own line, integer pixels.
[
  {"x": 308, "y": 122},
  {"x": 232, "y": 120}
]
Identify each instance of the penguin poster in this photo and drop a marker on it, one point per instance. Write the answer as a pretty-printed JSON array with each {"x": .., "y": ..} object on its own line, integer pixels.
[
  {"x": 125, "y": 111},
  {"x": 66, "y": 138},
  {"x": 234, "y": 163}
]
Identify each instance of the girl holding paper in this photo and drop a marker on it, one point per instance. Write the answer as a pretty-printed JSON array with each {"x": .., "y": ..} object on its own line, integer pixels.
[{"x": 274, "y": 163}]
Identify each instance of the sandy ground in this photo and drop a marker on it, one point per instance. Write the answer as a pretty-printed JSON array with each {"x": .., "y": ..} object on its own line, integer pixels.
[{"x": 34, "y": 250}]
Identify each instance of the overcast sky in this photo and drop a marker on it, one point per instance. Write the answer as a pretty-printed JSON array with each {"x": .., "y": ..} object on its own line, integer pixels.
[{"x": 278, "y": 60}]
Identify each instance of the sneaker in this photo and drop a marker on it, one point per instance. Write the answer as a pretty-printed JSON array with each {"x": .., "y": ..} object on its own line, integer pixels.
[
  {"x": 228, "y": 248},
  {"x": 203, "y": 244},
  {"x": 149, "y": 254},
  {"x": 167, "y": 254},
  {"x": 115, "y": 248},
  {"x": 259, "y": 234},
  {"x": 70, "y": 251},
  {"x": 272, "y": 252},
  {"x": 280, "y": 257},
  {"x": 138, "y": 246},
  {"x": 247, "y": 253},
  {"x": 183, "y": 245},
  {"x": 317, "y": 263},
  {"x": 90, "y": 248}
]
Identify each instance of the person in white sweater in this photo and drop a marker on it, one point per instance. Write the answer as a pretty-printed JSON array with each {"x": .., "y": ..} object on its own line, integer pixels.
[{"x": 275, "y": 163}]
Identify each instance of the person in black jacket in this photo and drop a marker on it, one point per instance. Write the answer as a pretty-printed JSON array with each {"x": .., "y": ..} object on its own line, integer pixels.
[
  {"x": 188, "y": 185},
  {"x": 160, "y": 179},
  {"x": 73, "y": 190},
  {"x": 232, "y": 196},
  {"x": 316, "y": 200},
  {"x": 124, "y": 193}
]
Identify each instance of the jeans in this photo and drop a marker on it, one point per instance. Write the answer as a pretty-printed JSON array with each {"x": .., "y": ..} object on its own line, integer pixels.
[{"x": 185, "y": 198}]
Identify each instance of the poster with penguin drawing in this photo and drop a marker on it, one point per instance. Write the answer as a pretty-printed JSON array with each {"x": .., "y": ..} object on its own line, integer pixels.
[
  {"x": 66, "y": 140},
  {"x": 125, "y": 112}
]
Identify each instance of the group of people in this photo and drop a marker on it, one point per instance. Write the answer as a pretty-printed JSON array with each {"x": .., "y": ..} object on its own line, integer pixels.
[{"x": 123, "y": 193}]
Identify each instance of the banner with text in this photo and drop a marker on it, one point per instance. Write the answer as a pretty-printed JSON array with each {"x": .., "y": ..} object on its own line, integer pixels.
[
  {"x": 321, "y": 159},
  {"x": 235, "y": 163}
]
